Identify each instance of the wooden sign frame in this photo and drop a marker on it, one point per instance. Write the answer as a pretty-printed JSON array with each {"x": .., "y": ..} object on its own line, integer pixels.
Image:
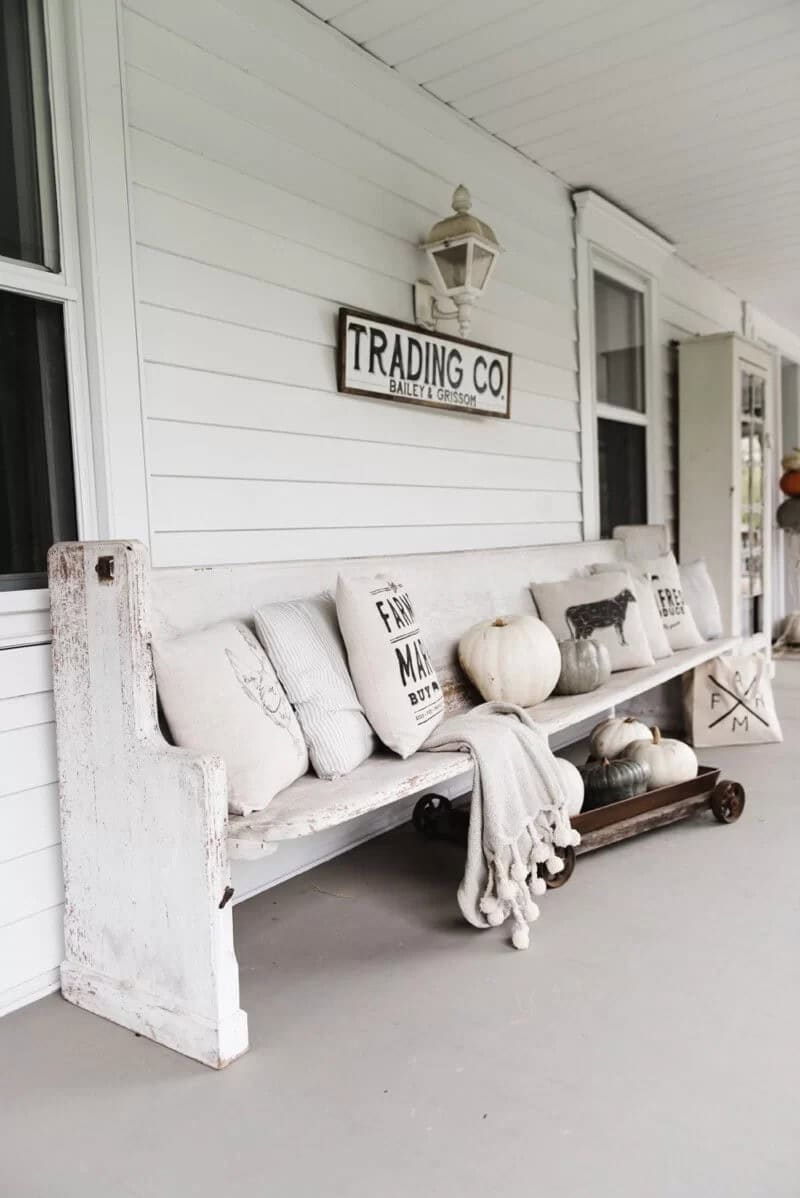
[{"x": 420, "y": 401}]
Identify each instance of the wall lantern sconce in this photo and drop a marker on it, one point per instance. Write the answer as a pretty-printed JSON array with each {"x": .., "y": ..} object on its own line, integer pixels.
[{"x": 462, "y": 251}]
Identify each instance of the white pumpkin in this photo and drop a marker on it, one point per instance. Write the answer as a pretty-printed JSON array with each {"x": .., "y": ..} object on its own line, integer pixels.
[
  {"x": 611, "y": 737},
  {"x": 670, "y": 761},
  {"x": 791, "y": 461},
  {"x": 573, "y": 785},
  {"x": 514, "y": 659}
]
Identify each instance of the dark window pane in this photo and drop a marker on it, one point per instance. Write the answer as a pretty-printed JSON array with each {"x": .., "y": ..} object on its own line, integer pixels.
[
  {"x": 37, "y": 494},
  {"x": 623, "y": 474},
  {"x": 28, "y": 223},
  {"x": 619, "y": 344}
]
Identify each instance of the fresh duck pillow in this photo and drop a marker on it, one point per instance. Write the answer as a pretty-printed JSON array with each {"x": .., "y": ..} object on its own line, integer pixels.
[
  {"x": 389, "y": 662},
  {"x": 603, "y": 607},
  {"x": 665, "y": 581}
]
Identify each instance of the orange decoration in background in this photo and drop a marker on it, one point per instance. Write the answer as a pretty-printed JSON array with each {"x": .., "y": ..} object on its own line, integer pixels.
[{"x": 790, "y": 482}]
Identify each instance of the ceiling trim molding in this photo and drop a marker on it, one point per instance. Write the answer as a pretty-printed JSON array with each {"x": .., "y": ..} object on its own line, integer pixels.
[
  {"x": 615, "y": 231},
  {"x": 758, "y": 326}
]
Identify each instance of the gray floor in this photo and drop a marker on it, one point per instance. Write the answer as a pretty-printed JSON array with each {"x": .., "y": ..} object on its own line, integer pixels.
[{"x": 646, "y": 1045}]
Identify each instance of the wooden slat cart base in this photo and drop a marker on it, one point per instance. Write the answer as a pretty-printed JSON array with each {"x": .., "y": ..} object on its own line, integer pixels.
[{"x": 436, "y": 818}]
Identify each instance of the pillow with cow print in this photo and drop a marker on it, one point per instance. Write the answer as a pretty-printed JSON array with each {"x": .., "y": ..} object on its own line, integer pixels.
[
  {"x": 665, "y": 580},
  {"x": 603, "y": 607}
]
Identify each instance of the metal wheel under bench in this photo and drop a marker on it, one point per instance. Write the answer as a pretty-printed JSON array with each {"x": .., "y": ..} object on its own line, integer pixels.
[{"x": 436, "y": 818}]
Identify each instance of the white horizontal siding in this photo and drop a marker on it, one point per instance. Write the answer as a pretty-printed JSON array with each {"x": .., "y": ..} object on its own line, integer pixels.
[
  {"x": 277, "y": 176},
  {"x": 31, "y": 885}
]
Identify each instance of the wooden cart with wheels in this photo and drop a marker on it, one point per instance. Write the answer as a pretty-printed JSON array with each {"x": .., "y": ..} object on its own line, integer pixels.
[{"x": 436, "y": 818}]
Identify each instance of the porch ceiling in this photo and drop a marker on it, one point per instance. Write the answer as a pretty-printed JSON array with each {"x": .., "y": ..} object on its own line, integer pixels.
[{"x": 685, "y": 112}]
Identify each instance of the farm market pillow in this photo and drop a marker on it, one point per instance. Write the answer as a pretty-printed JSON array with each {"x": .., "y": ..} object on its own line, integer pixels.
[
  {"x": 602, "y": 606},
  {"x": 389, "y": 663},
  {"x": 699, "y": 593},
  {"x": 676, "y": 616},
  {"x": 220, "y": 695},
  {"x": 303, "y": 642},
  {"x": 651, "y": 617}
]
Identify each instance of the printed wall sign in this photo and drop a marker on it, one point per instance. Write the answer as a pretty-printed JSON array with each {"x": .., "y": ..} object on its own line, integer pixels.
[{"x": 392, "y": 360}]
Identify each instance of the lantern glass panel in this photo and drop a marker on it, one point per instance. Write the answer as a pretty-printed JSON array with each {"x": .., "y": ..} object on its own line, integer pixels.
[
  {"x": 452, "y": 264},
  {"x": 482, "y": 260}
]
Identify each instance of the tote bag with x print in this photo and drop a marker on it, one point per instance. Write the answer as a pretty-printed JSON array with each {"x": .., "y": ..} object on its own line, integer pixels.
[{"x": 728, "y": 701}]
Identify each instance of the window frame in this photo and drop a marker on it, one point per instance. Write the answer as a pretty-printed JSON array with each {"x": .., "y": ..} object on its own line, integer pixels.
[
  {"x": 610, "y": 242},
  {"x": 20, "y": 619}
]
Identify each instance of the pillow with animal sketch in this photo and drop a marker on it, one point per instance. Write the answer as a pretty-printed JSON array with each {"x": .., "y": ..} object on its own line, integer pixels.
[
  {"x": 665, "y": 581},
  {"x": 221, "y": 695},
  {"x": 600, "y": 606}
]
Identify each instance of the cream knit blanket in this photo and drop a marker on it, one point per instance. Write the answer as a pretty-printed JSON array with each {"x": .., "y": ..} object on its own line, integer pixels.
[{"x": 517, "y": 817}]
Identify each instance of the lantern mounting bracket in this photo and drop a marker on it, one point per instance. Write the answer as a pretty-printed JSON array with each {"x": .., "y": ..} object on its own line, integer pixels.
[{"x": 428, "y": 308}]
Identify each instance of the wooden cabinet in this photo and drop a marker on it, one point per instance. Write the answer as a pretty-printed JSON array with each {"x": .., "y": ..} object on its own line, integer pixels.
[{"x": 724, "y": 471}]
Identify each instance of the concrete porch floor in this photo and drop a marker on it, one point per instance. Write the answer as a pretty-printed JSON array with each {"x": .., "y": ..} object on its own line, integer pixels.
[{"x": 647, "y": 1046}]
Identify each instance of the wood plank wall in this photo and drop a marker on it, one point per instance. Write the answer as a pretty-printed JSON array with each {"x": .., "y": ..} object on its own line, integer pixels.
[{"x": 271, "y": 183}]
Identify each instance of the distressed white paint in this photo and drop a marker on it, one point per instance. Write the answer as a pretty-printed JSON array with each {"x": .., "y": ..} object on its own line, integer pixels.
[{"x": 147, "y": 841}]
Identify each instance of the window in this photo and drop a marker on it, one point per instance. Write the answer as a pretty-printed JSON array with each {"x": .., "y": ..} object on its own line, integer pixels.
[
  {"x": 37, "y": 489},
  {"x": 619, "y": 262},
  {"x": 621, "y": 402}
]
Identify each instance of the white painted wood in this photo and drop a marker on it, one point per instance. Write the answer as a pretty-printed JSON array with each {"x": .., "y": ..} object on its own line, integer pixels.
[
  {"x": 96, "y": 87},
  {"x": 710, "y": 464},
  {"x": 147, "y": 943}
]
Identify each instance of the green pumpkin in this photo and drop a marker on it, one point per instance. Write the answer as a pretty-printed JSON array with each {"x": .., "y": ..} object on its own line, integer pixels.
[
  {"x": 585, "y": 665},
  {"x": 609, "y": 781}
]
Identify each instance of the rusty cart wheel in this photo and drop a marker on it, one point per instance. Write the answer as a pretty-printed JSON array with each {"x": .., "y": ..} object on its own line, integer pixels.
[
  {"x": 431, "y": 815},
  {"x": 727, "y": 801},
  {"x": 554, "y": 881}
]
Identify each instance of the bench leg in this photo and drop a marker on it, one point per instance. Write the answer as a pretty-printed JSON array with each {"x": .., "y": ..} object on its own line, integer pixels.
[{"x": 148, "y": 928}]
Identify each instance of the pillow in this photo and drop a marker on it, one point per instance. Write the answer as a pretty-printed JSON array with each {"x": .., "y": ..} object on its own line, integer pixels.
[
  {"x": 678, "y": 621},
  {"x": 220, "y": 695},
  {"x": 303, "y": 642},
  {"x": 391, "y": 668},
  {"x": 699, "y": 593},
  {"x": 651, "y": 617},
  {"x": 602, "y": 606}
]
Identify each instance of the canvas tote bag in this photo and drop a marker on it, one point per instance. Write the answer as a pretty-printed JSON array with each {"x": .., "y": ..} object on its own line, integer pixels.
[{"x": 728, "y": 701}]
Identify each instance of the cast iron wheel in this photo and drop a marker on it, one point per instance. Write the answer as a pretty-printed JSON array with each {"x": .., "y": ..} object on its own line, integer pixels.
[
  {"x": 430, "y": 813},
  {"x": 553, "y": 881},
  {"x": 727, "y": 801}
]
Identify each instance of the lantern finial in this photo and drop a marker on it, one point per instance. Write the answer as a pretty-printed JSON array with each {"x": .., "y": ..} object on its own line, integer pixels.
[{"x": 462, "y": 200}]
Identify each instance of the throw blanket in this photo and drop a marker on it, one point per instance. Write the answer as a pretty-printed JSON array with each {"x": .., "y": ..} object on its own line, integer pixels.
[{"x": 517, "y": 817}]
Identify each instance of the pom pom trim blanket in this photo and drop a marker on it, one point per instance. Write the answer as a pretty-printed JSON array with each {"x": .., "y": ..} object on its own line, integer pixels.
[{"x": 517, "y": 817}]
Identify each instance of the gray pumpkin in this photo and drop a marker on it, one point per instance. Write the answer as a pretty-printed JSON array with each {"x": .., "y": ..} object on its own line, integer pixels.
[
  {"x": 585, "y": 665},
  {"x": 610, "y": 781}
]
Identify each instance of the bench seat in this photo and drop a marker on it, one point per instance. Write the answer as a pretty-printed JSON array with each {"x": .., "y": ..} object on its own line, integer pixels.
[{"x": 311, "y": 804}]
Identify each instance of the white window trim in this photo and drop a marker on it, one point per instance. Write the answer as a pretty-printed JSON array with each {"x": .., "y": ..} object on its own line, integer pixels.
[
  {"x": 21, "y": 620},
  {"x": 614, "y": 243}
]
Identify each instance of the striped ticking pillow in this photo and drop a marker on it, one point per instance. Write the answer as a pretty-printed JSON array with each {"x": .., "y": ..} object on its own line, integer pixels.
[{"x": 303, "y": 642}]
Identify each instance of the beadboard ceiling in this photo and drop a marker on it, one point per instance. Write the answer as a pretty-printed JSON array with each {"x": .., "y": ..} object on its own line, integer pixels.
[{"x": 685, "y": 112}]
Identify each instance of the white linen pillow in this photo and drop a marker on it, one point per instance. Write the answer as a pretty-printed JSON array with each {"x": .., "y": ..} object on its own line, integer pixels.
[
  {"x": 303, "y": 642},
  {"x": 220, "y": 695},
  {"x": 390, "y": 666},
  {"x": 651, "y": 618},
  {"x": 699, "y": 593},
  {"x": 676, "y": 616},
  {"x": 600, "y": 606}
]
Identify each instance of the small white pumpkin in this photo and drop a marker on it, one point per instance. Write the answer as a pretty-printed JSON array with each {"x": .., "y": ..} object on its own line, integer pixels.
[
  {"x": 573, "y": 785},
  {"x": 611, "y": 737},
  {"x": 514, "y": 659},
  {"x": 585, "y": 665},
  {"x": 791, "y": 460},
  {"x": 670, "y": 761}
]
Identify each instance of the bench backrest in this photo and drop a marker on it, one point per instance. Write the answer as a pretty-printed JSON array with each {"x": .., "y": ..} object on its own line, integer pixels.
[{"x": 450, "y": 591}]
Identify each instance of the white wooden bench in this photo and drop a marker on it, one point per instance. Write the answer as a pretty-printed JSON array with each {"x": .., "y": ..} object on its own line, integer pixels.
[{"x": 147, "y": 839}]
